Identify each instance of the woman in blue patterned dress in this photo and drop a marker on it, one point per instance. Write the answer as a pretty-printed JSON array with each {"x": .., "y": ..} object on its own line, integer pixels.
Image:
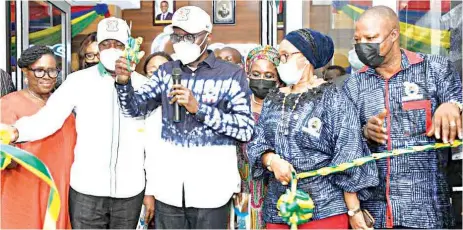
[
  {"x": 261, "y": 67},
  {"x": 305, "y": 126}
]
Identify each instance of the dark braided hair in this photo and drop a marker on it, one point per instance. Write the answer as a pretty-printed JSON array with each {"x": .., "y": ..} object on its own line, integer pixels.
[{"x": 32, "y": 54}]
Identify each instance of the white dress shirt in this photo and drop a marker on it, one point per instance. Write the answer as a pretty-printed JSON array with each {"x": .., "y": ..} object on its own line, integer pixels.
[
  {"x": 109, "y": 152},
  {"x": 210, "y": 179}
]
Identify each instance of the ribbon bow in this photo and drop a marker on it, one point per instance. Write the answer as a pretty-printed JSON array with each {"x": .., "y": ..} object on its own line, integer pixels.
[{"x": 295, "y": 206}]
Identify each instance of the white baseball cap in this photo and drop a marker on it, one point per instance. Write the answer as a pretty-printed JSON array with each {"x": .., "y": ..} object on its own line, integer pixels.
[
  {"x": 113, "y": 28},
  {"x": 192, "y": 19}
]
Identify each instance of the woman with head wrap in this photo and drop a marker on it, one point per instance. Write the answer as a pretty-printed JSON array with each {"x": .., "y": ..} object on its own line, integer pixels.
[
  {"x": 306, "y": 126},
  {"x": 25, "y": 196},
  {"x": 261, "y": 67}
]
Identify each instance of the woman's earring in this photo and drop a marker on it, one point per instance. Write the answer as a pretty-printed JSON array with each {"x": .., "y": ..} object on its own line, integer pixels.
[{"x": 26, "y": 81}]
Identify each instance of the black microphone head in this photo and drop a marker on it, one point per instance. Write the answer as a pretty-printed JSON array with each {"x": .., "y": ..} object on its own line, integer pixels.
[{"x": 176, "y": 73}]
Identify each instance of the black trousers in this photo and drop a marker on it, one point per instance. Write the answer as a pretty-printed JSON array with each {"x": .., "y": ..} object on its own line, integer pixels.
[
  {"x": 172, "y": 217},
  {"x": 93, "y": 212}
]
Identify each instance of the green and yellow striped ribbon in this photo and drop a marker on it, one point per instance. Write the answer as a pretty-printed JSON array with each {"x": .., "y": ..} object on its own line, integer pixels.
[
  {"x": 296, "y": 206},
  {"x": 36, "y": 167}
]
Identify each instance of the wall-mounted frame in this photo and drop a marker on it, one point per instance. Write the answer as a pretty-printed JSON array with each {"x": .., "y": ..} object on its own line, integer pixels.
[
  {"x": 163, "y": 10},
  {"x": 224, "y": 12},
  {"x": 281, "y": 14}
]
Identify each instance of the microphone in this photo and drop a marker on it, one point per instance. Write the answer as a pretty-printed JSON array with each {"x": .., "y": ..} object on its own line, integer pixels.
[{"x": 176, "y": 80}]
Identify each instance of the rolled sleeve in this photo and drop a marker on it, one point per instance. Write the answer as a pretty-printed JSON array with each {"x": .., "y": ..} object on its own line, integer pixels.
[{"x": 349, "y": 145}]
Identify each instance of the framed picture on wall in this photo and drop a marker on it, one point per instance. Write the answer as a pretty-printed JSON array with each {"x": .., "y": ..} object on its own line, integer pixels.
[
  {"x": 163, "y": 10},
  {"x": 224, "y": 12},
  {"x": 280, "y": 7}
]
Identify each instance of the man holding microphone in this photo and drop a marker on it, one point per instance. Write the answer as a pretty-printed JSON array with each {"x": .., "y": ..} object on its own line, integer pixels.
[{"x": 194, "y": 175}]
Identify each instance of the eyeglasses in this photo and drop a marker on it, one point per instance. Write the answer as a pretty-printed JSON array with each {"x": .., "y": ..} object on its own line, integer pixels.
[
  {"x": 39, "y": 73},
  {"x": 91, "y": 56},
  {"x": 112, "y": 43},
  {"x": 189, "y": 38},
  {"x": 284, "y": 57}
]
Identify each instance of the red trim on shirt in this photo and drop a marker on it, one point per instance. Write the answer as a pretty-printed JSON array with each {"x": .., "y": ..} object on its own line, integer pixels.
[
  {"x": 363, "y": 69},
  {"x": 389, "y": 215},
  {"x": 423, "y": 104},
  {"x": 413, "y": 58}
]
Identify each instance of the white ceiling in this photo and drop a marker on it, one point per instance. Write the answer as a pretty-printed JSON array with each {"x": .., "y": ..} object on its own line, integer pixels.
[{"x": 123, "y": 4}]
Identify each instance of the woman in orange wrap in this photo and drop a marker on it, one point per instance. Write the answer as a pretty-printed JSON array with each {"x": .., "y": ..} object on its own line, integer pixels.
[{"x": 24, "y": 196}]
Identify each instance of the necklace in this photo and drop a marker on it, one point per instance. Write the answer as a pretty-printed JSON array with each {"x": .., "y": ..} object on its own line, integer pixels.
[
  {"x": 287, "y": 120},
  {"x": 254, "y": 100},
  {"x": 35, "y": 96}
]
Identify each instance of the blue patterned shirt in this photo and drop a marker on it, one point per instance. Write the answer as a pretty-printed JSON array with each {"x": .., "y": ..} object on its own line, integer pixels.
[
  {"x": 414, "y": 185},
  {"x": 323, "y": 130},
  {"x": 222, "y": 91}
]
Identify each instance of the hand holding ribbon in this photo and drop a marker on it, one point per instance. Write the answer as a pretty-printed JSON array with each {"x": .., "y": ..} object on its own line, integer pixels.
[{"x": 129, "y": 60}]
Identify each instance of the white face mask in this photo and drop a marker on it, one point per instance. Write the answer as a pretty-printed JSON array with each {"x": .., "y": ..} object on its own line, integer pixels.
[
  {"x": 289, "y": 73},
  {"x": 187, "y": 52},
  {"x": 354, "y": 61},
  {"x": 108, "y": 58}
]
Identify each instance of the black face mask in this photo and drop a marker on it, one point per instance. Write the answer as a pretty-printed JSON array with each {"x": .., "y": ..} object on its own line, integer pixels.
[
  {"x": 368, "y": 54},
  {"x": 260, "y": 88},
  {"x": 90, "y": 64}
]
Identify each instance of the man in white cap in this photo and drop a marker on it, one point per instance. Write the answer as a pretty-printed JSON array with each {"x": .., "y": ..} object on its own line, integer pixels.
[
  {"x": 195, "y": 174},
  {"x": 107, "y": 176}
]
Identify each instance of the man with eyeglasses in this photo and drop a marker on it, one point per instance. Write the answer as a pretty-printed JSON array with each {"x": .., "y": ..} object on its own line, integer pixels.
[
  {"x": 195, "y": 174},
  {"x": 107, "y": 176},
  {"x": 405, "y": 99}
]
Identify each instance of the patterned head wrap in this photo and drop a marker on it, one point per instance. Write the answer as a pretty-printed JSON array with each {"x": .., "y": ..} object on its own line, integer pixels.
[
  {"x": 262, "y": 52},
  {"x": 315, "y": 46}
]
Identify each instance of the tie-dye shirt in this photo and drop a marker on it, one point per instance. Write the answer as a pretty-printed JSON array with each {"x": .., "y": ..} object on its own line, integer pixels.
[
  {"x": 199, "y": 153},
  {"x": 223, "y": 94},
  {"x": 412, "y": 192}
]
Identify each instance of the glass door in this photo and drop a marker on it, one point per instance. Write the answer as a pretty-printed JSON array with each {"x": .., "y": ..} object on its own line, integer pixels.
[{"x": 41, "y": 23}]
